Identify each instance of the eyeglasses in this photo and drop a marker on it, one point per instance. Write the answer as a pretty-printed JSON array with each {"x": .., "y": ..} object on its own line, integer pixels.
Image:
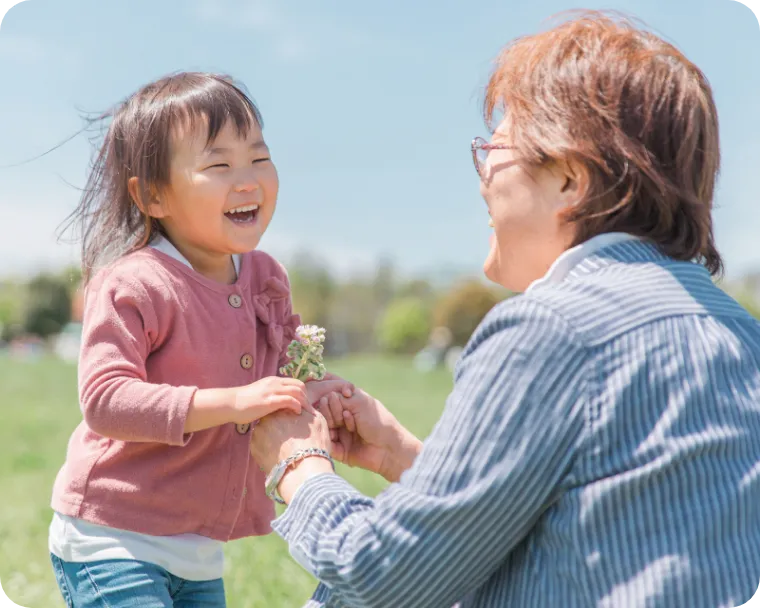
[{"x": 480, "y": 149}]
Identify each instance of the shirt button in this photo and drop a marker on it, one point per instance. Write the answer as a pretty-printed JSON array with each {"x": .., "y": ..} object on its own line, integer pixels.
[
  {"x": 246, "y": 361},
  {"x": 235, "y": 300},
  {"x": 245, "y": 491},
  {"x": 242, "y": 429}
]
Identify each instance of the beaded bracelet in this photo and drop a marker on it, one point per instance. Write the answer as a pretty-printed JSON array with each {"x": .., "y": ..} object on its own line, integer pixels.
[{"x": 275, "y": 475}]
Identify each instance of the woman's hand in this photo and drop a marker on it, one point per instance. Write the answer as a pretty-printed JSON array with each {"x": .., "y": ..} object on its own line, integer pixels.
[
  {"x": 275, "y": 430},
  {"x": 367, "y": 435},
  {"x": 280, "y": 435}
]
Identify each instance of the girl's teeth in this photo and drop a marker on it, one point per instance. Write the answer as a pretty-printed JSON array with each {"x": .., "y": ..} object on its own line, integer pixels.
[
  {"x": 244, "y": 209},
  {"x": 490, "y": 222}
]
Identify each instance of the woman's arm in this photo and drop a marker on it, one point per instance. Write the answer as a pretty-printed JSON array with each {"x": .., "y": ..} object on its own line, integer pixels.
[{"x": 495, "y": 461}]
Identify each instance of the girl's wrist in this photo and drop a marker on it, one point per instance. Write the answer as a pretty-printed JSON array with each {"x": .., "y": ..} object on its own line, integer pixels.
[{"x": 211, "y": 407}]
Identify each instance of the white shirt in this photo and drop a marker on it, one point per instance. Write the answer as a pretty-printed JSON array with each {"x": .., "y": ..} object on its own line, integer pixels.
[
  {"x": 188, "y": 556},
  {"x": 570, "y": 258},
  {"x": 165, "y": 246}
]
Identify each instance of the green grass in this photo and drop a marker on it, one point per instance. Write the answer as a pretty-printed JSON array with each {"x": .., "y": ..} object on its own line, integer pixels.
[{"x": 39, "y": 411}]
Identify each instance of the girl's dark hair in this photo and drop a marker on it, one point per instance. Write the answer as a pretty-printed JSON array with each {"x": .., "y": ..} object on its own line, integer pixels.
[{"x": 137, "y": 143}]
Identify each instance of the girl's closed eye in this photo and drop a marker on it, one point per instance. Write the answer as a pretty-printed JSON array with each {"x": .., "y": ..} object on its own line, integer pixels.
[{"x": 226, "y": 165}]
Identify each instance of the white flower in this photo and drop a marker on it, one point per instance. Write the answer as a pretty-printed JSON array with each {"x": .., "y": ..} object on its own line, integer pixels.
[{"x": 305, "y": 353}]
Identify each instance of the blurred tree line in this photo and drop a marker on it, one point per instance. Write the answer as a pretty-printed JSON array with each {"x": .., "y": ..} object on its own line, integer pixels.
[
  {"x": 39, "y": 307},
  {"x": 386, "y": 311},
  {"x": 380, "y": 311}
]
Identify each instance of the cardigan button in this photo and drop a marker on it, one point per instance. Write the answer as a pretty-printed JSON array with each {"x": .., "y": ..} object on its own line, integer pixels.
[
  {"x": 246, "y": 361},
  {"x": 242, "y": 429},
  {"x": 235, "y": 300}
]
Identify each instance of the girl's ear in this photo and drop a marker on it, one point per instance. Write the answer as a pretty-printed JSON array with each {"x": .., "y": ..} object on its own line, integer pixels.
[{"x": 151, "y": 207}]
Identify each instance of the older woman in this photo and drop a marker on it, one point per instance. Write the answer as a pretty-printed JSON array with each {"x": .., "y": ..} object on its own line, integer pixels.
[{"x": 601, "y": 446}]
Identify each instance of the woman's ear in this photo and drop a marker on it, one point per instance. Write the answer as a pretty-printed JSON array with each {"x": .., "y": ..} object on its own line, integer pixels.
[
  {"x": 151, "y": 207},
  {"x": 574, "y": 183}
]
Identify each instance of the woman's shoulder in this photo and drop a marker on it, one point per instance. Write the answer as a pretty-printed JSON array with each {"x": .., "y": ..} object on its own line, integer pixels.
[{"x": 605, "y": 303}]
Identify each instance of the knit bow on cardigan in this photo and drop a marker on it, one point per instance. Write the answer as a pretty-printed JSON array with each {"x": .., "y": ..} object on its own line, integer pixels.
[{"x": 275, "y": 290}]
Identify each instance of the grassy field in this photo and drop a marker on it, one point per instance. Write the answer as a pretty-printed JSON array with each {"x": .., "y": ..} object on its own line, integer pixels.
[{"x": 39, "y": 411}]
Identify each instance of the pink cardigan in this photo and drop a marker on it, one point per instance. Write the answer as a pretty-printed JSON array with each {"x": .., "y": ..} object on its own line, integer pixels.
[{"x": 155, "y": 331}]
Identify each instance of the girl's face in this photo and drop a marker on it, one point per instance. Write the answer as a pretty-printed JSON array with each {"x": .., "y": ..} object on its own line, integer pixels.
[{"x": 221, "y": 196}]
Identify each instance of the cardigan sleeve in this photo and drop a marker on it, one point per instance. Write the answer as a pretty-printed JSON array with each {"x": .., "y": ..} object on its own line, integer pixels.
[{"x": 117, "y": 401}]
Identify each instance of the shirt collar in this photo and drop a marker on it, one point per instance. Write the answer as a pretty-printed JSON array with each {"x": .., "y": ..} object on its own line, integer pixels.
[
  {"x": 562, "y": 266},
  {"x": 165, "y": 246}
]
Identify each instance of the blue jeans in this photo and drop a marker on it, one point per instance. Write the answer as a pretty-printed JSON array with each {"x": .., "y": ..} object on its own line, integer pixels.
[{"x": 123, "y": 583}]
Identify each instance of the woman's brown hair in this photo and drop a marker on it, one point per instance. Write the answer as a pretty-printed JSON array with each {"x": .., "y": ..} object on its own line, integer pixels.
[
  {"x": 630, "y": 108},
  {"x": 137, "y": 143}
]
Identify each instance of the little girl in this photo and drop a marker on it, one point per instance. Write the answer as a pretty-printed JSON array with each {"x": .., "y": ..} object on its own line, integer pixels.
[{"x": 185, "y": 328}]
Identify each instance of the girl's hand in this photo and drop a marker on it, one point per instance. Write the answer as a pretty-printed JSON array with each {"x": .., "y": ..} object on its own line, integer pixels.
[
  {"x": 275, "y": 393},
  {"x": 269, "y": 395}
]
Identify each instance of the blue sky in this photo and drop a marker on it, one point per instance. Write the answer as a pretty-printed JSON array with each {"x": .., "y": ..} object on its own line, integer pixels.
[{"x": 369, "y": 110}]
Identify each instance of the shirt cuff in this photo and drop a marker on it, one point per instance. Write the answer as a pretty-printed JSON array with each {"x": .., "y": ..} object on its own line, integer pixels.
[{"x": 315, "y": 495}]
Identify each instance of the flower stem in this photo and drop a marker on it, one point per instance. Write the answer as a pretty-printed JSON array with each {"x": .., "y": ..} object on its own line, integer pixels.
[{"x": 304, "y": 358}]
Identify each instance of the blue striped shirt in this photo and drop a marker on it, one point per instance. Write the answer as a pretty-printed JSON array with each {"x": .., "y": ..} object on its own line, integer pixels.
[{"x": 601, "y": 447}]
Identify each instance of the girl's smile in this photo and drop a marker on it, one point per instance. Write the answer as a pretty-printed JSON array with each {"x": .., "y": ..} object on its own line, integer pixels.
[{"x": 244, "y": 215}]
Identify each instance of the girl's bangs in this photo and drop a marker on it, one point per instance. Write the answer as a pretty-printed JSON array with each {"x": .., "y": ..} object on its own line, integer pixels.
[{"x": 212, "y": 107}]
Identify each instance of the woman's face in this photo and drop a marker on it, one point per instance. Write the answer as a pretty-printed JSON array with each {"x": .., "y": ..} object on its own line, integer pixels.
[{"x": 524, "y": 202}]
